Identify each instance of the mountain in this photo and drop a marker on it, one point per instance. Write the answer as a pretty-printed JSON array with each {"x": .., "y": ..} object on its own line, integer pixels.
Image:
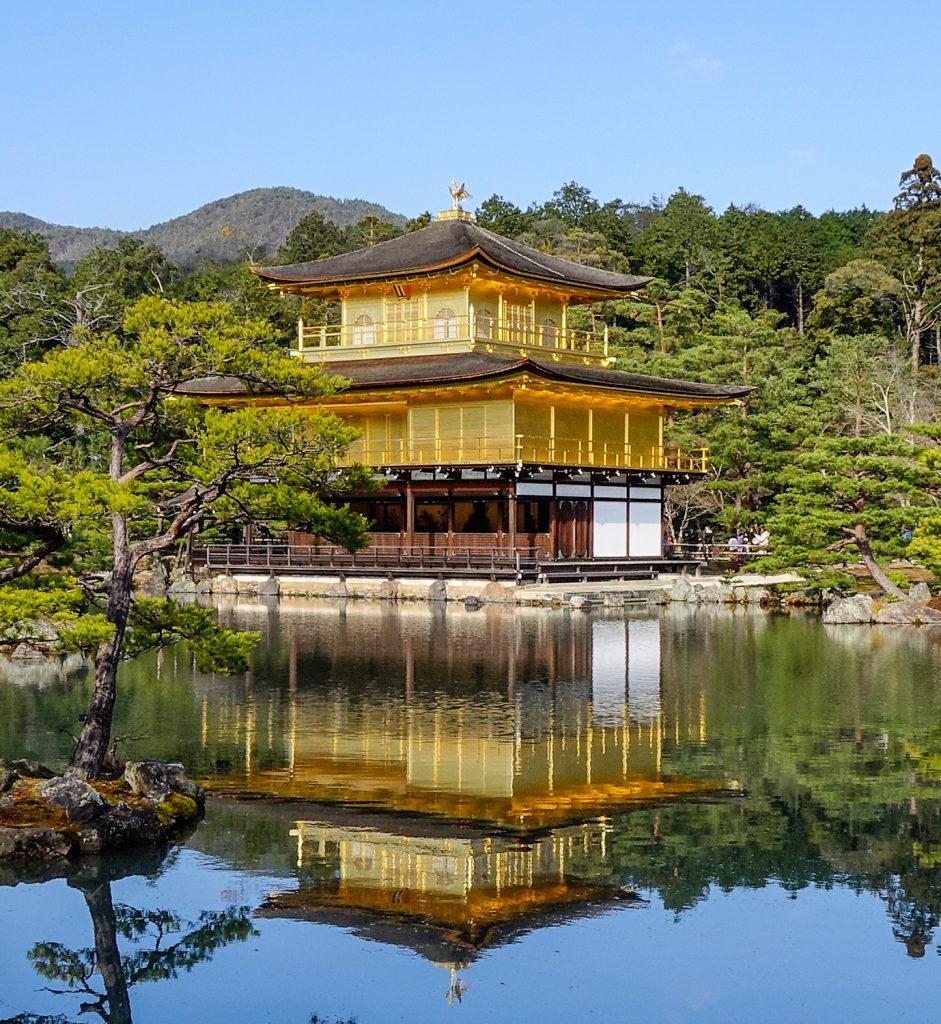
[
  {"x": 256, "y": 222},
  {"x": 67, "y": 244}
]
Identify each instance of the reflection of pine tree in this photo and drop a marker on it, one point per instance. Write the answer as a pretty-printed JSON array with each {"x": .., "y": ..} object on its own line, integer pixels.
[
  {"x": 36, "y": 1018},
  {"x": 166, "y": 945},
  {"x": 912, "y": 892}
]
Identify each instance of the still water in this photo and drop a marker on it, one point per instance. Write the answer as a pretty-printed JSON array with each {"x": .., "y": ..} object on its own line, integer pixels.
[{"x": 433, "y": 815}]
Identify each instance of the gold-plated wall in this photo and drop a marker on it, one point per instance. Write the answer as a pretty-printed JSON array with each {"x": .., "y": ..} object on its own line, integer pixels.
[{"x": 501, "y": 430}]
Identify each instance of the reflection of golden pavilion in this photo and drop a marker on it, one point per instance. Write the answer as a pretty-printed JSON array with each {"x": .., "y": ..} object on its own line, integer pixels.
[
  {"x": 470, "y": 889},
  {"x": 461, "y": 770},
  {"x": 577, "y": 732}
]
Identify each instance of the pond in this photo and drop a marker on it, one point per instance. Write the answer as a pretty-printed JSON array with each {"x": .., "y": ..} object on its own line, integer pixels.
[{"x": 531, "y": 814}]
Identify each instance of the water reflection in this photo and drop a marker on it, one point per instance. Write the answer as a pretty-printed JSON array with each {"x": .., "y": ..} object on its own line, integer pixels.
[
  {"x": 447, "y": 896},
  {"x": 451, "y": 783},
  {"x": 589, "y": 757},
  {"x": 485, "y": 772},
  {"x": 158, "y": 944},
  {"x": 522, "y": 729}
]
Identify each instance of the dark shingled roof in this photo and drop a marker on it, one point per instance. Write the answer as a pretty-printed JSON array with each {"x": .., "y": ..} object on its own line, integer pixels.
[
  {"x": 369, "y": 374},
  {"x": 445, "y": 244}
]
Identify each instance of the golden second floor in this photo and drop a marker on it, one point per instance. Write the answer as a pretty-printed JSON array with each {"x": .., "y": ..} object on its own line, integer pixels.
[
  {"x": 513, "y": 430},
  {"x": 478, "y": 409}
]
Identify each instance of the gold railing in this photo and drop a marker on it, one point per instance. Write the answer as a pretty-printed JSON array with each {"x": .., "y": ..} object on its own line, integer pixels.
[
  {"x": 531, "y": 450},
  {"x": 440, "y": 331}
]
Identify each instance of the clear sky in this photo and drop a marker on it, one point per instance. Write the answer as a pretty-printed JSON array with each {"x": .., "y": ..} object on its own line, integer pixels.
[{"x": 121, "y": 114}]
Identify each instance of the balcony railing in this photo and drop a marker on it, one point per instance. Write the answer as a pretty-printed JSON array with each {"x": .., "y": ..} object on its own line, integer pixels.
[
  {"x": 520, "y": 562},
  {"x": 445, "y": 333},
  {"x": 531, "y": 450}
]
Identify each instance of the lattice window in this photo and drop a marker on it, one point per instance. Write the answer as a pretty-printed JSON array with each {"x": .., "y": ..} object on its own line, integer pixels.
[
  {"x": 404, "y": 318},
  {"x": 519, "y": 321},
  {"x": 550, "y": 333}
]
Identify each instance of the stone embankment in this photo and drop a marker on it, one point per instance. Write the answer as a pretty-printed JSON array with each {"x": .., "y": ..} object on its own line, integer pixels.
[
  {"x": 44, "y": 816},
  {"x": 477, "y": 593}
]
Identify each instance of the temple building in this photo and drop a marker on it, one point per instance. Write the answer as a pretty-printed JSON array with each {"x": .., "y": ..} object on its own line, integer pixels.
[{"x": 504, "y": 439}]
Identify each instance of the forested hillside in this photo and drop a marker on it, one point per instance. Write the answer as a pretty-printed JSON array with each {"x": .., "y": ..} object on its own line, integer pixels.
[
  {"x": 254, "y": 223},
  {"x": 832, "y": 318}
]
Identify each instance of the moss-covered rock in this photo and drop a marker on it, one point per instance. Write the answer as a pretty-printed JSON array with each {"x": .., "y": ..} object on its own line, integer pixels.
[
  {"x": 177, "y": 809},
  {"x": 39, "y": 820}
]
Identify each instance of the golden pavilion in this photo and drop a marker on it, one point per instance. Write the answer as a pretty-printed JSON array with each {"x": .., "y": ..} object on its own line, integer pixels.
[{"x": 506, "y": 443}]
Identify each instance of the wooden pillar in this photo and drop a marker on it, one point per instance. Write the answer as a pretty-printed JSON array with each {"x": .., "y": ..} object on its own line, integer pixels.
[
  {"x": 511, "y": 515},
  {"x": 582, "y": 521},
  {"x": 567, "y": 529},
  {"x": 449, "y": 504},
  {"x": 409, "y": 514},
  {"x": 553, "y": 529}
]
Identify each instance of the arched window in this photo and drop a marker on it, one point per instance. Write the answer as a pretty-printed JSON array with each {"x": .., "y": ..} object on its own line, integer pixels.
[
  {"x": 484, "y": 325},
  {"x": 550, "y": 333},
  {"x": 445, "y": 324},
  {"x": 364, "y": 331}
]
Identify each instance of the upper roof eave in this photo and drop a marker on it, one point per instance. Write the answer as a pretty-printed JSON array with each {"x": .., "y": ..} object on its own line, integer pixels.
[
  {"x": 477, "y": 255},
  {"x": 447, "y": 245}
]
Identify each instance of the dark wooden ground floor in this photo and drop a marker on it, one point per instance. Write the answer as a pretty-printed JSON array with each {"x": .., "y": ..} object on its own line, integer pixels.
[{"x": 522, "y": 523}]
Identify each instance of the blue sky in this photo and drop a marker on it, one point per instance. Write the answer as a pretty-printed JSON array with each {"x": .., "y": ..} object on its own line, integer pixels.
[{"x": 123, "y": 114}]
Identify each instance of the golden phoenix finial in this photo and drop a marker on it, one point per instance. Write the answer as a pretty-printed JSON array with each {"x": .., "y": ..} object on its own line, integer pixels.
[{"x": 458, "y": 192}]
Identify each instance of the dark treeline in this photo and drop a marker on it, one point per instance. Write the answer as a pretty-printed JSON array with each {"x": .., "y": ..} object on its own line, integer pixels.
[{"x": 832, "y": 318}]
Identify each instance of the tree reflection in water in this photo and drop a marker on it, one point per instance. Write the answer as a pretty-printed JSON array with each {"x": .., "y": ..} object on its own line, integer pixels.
[{"x": 159, "y": 945}]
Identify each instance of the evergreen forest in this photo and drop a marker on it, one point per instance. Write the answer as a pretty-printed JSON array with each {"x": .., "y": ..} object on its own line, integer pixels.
[{"x": 833, "y": 319}]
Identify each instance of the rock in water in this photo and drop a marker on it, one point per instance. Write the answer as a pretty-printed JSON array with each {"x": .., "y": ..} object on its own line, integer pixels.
[
  {"x": 910, "y": 613},
  {"x": 182, "y": 589},
  {"x": 856, "y": 609},
  {"x": 35, "y": 844},
  {"x": 683, "y": 591},
  {"x": 79, "y": 801},
  {"x": 225, "y": 586},
  {"x": 158, "y": 779}
]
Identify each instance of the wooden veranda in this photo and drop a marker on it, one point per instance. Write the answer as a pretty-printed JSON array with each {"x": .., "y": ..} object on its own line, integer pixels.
[{"x": 522, "y": 565}]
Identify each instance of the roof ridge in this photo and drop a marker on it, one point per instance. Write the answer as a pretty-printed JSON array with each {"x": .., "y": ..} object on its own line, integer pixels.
[{"x": 511, "y": 245}]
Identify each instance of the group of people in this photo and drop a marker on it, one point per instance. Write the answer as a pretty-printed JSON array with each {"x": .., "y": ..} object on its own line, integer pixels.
[
  {"x": 754, "y": 540},
  {"x": 701, "y": 543}
]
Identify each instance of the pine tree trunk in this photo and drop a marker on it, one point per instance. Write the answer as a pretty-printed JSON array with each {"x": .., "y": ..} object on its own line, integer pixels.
[
  {"x": 92, "y": 746},
  {"x": 101, "y": 908},
  {"x": 869, "y": 560}
]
